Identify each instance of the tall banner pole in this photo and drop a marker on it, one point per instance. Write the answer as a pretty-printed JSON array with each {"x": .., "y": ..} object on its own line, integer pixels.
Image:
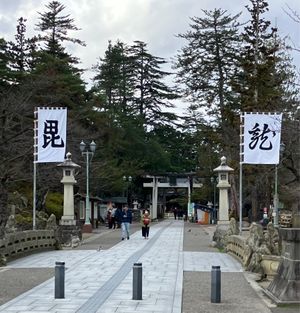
[
  {"x": 275, "y": 201},
  {"x": 49, "y": 142},
  {"x": 260, "y": 143},
  {"x": 241, "y": 197},
  {"x": 241, "y": 172},
  {"x": 34, "y": 197},
  {"x": 35, "y": 139},
  {"x": 189, "y": 194}
]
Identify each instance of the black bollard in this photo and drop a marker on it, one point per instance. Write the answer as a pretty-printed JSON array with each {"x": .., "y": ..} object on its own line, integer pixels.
[
  {"x": 137, "y": 281},
  {"x": 59, "y": 291},
  {"x": 215, "y": 296}
]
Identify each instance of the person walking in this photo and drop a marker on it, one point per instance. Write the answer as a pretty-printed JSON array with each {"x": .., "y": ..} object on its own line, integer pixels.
[
  {"x": 145, "y": 221},
  {"x": 109, "y": 219},
  {"x": 113, "y": 217},
  {"x": 175, "y": 212},
  {"x": 118, "y": 216},
  {"x": 126, "y": 220}
]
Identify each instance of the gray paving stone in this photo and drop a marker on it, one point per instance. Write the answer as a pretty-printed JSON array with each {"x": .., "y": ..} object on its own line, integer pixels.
[{"x": 101, "y": 281}]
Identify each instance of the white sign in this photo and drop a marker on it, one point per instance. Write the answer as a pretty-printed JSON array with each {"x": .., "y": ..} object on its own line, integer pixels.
[
  {"x": 262, "y": 134},
  {"x": 51, "y": 135}
]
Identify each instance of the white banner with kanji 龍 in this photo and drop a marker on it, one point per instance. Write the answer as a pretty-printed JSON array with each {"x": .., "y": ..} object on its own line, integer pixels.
[
  {"x": 51, "y": 134},
  {"x": 262, "y": 133}
]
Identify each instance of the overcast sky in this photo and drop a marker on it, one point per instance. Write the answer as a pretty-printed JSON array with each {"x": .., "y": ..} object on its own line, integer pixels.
[{"x": 156, "y": 22}]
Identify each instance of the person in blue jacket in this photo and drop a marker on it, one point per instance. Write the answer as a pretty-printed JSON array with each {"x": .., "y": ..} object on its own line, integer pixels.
[{"x": 126, "y": 220}]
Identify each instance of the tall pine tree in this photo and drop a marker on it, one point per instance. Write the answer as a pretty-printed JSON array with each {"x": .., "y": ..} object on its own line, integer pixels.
[
  {"x": 152, "y": 96},
  {"x": 206, "y": 66},
  {"x": 207, "y": 63},
  {"x": 55, "y": 67},
  {"x": 114, "y": 80}
]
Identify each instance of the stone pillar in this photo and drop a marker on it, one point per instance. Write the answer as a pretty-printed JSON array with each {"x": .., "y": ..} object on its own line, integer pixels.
[
  {"x": 69, "y": 234},
  {"x": 154, "y": 199},
  {"x": 68, "y": 201},
  {"x": 68, "y": 181},
  {"x": 285, "y": 288},
  {"x": 223, "y": 184}
]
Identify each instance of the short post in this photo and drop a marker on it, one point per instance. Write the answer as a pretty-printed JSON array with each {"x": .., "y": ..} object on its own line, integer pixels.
[
  {"x": 59, "y": 280},
  {"x": 215, "y": 296},
  {"x": 137, "y": 281}
]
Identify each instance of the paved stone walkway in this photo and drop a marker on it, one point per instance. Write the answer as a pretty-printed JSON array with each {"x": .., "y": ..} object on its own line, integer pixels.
[{"x": 101, "y": 280}]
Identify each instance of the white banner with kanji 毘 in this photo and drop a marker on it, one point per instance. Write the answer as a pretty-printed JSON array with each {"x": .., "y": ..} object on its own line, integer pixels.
[
  {"x": 262, "y": 133},
  {"x": 51, "y": 135}
]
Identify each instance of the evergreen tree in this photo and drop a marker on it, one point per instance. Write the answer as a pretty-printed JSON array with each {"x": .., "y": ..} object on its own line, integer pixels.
[
  {"x": 55, "y": 28},
  {"x": 258, "y": 86},
  {"x": 179, "y": 147},
  {"x": 207, "y": 63},
  {"x": 6, "y": 75},
  {"x": 20, "y": 47},
  {"x": 206, "y": 66},
  {"x": 54, "y": 66},
  {"x": 131, "y": 82},
  {"x": 151, "y": 95},
  {"x": 114, "y": 80},
  {"x": 265, "y": 84},
  {"x": 57, "y": 80}
]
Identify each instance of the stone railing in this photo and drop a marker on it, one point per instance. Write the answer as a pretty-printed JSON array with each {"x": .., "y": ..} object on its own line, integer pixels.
[
  {"x": 236, "y": 247},
  {"x": 17, "y": 243}
]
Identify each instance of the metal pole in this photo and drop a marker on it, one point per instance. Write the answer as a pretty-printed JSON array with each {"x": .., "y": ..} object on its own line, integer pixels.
[
  {"x": 137, "y": 281},
  {"x": 241, "y": 170},
  {"x": 34, "y": 168},
  {"x": 87, "y": 198},
  {"x": 189, "y": 194},
  {"x": 215, "y": 296},
  {"x": 59, "y": 292},
  {"x": 241, "y": 196},
  {"x": 34, "y": 197},
  {"x": 276, "y": 197},
  {"x": 214, "y": 209}
]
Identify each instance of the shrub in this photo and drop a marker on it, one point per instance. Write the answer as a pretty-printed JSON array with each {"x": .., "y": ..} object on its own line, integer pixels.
[
  {"x": 24, "y": 221},
  {"x": 54, "y": 204}
]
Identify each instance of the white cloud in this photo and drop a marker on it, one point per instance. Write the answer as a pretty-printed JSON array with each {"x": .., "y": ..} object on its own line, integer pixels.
[{"x": 156, "y": 22}]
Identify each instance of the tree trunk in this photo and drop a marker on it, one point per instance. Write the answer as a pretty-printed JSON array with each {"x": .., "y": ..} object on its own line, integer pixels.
[{"x": 4, "y": 213}]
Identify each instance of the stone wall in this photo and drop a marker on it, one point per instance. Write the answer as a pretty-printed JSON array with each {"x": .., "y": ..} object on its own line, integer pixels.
[{"x": 17, "y": 243}]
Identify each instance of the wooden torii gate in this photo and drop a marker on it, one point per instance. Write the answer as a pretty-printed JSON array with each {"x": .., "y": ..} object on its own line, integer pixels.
[{"x": 188, "y": 181}]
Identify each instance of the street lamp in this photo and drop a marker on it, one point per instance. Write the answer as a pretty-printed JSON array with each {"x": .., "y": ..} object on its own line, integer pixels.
[
  {"x": 127, "y": 179},
  {"x": 88, "y": 153},
  {"x": 276, "y": 200},
  {"x": 214, "y": 181}
]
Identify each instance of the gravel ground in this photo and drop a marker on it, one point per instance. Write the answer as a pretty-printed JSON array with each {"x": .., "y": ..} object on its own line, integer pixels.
[
  {"x": 236, "y": 293},
  {"x": 15, "y": 281}
]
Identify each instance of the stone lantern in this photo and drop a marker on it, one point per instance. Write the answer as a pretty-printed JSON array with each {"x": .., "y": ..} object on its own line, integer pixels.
[
  {"x": 69, "y": 181},
  {"x": 223, "y": 184},
  {"x": 135, "y": 205}
]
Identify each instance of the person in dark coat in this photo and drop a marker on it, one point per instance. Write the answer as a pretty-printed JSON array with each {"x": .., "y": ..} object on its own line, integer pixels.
[
  {"x": 175, "y": 212},
  {"x": 113, "y": 217},
  {"x": 118, "y": 217},
  {"x": 126, "y": 220},
  {"x": 109, "y": 218}
]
